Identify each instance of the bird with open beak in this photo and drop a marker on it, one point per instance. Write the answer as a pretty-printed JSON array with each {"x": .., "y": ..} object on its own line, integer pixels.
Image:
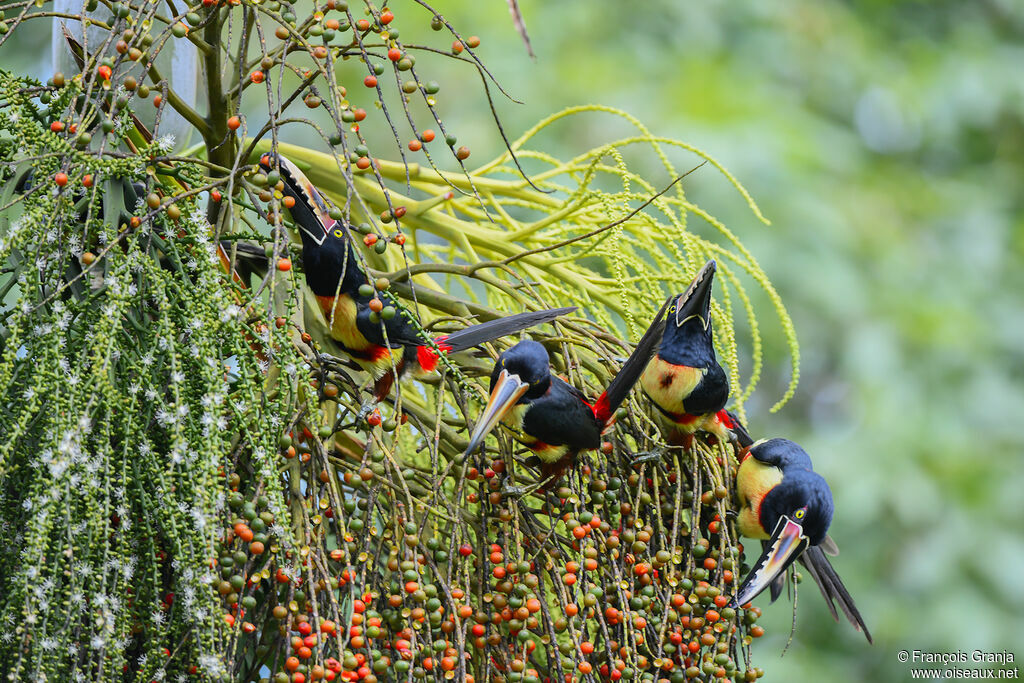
[{"x": 787, "y": 505}]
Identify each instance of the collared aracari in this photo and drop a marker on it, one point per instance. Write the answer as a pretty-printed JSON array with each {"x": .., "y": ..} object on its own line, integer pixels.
[
  {"x": 552, "y": 417},
  {"x": 333, "y": 274},
  {"x": 684, "y": 380},
  {"x": 779, "y": 491}
]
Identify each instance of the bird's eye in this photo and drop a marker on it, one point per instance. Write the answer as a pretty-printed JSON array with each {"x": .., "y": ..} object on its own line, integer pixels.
[
  {"x": 800, "y": 513},
  {"x": 337, "y": 233}
]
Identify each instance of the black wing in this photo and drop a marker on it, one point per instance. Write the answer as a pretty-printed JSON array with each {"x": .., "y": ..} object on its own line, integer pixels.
[
  {"x": 711, "y": 394},
  {"x": 562, "y": 417},
  {"x": 634, "y": 366},
  {"x": 474, "y": 335}
]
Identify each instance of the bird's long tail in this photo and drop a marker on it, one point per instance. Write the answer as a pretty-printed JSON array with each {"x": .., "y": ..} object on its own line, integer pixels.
[
  {"x": 474, "y": 335},
  {"x": 832, "y": 588},
  {"x": 609, "y": 402}
]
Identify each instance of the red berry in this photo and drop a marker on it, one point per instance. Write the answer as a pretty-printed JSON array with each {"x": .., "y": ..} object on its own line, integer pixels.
[
  {"x": 427, "y": 135},
  {"x": 284, "y": 265},
  {"x": 104, "y": 72},
  {"x": 256, "y": 77},
  {"x": 57, "y": 126},
  {"x": 370, "y": 81},
  {"x": 234, "y": 123},
  {"x": 61, "y": 179},
  {"x": 394, "y": 54},
  {"x": 386, "y": 17}
]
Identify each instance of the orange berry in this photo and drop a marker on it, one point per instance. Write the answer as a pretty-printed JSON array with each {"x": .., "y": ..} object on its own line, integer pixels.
[
  {"x": 61, "y": 179},
  {"x": 256, "y": 77},
  {"x": 415, "y": 145},
  {"x": 427, "y": 135},
  {"x": 284, "y": 265},
  {"x": 234, "y": 123},
  {"x": 370, "y": 81}
]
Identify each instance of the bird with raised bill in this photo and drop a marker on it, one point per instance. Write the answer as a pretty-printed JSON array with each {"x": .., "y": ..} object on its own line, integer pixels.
[
  {"x": 364, "y": 322},
  {"x": 787, "y": 505},
  {"x": 684, "y": 380},
  {"x": 550, "y": 416}
]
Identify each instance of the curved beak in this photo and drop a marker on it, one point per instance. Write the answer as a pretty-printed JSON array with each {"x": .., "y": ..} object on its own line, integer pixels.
[
  {"x": 786, "y": 544},
  {"x": 506, "y": 393},
  {"x": 696, "y": 301}
]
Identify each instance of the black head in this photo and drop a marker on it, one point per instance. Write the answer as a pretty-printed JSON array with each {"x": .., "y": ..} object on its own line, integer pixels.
[
  {"x": 688, "y": 338},
  {"x": 521, "y": 374},
  {"x": 805, "y": 498},
  {"x": 529, "y": 361},
  {"x": 327, "y": 254}
]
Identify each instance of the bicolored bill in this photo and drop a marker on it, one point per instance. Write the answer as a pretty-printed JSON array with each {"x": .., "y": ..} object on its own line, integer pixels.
[
  {"x": 696, "y": 301},
  {"x": 506, "y": 393},
  {"x": 786, "y": 544},
  {"x": 316, "y": 219}
]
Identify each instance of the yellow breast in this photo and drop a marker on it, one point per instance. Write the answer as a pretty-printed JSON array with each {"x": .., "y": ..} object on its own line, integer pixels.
[
  {"x": 754, "y": 480},
  {"x": 340, "y": 312},
  {"x": 668, "y": 385},
  {"x": 513, "y": 420}
]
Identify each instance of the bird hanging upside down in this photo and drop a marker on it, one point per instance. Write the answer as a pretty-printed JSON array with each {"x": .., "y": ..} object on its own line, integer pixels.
[
  {"x": 684, "y": 380},
  {"x": 553, "y": 418},
  {"x": 386, "y": 346},
  {"x": 789, "y": 507}
]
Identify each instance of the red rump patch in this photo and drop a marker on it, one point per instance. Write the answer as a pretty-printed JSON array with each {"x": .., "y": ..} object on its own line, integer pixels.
[
  {"x": 427, "y": 357},
  {"x": 602, "y": 410}
]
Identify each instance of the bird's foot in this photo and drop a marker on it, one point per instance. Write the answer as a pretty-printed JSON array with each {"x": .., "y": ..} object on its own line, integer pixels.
[
  {"x": 512, "y": 491},
  {"x": 327, "y": 359},
  {"x": 648, "y": 456},
  {"x": 365, "y": 410},
  {"x": 731, "y": 515}
]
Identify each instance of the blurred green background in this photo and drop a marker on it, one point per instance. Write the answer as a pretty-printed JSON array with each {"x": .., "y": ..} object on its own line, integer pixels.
[{"x": 885, "y": 142}]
